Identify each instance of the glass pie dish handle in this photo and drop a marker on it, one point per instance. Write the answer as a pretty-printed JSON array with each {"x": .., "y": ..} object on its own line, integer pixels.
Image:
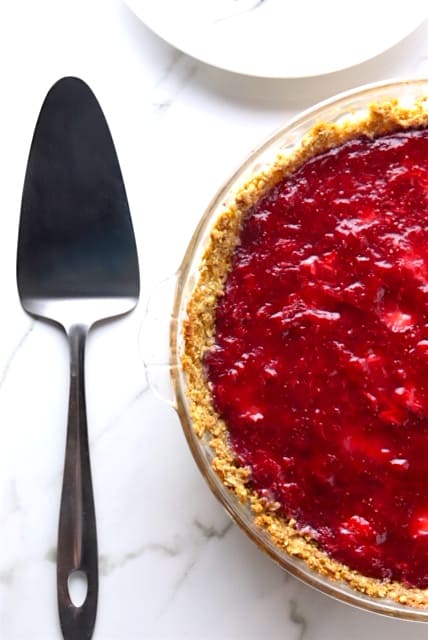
[{"x": 157, "y": 328}]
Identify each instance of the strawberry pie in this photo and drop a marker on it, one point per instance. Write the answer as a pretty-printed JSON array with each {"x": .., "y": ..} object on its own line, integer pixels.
[{"x": 306, "y": 351}]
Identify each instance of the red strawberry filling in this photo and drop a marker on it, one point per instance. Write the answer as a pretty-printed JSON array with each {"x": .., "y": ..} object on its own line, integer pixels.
[{"x": 320, "y": 362}]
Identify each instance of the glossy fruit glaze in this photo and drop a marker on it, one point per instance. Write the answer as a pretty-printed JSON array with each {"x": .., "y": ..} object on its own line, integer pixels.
[{"x": 320, "y": 362}]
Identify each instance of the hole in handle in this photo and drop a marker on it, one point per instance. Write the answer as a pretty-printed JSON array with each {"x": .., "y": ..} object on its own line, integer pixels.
[{"x": 77, "y": 587}]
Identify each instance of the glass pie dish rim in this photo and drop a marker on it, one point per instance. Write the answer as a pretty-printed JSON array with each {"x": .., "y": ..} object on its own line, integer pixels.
[{"x": 287, "y": 137}]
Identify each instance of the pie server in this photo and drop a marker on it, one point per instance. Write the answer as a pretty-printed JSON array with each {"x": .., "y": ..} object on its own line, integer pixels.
[{"x": 76, "y": 264}]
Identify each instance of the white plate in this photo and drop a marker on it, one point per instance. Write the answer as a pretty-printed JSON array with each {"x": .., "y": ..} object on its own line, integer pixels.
[{"x": 281, "y": 38}]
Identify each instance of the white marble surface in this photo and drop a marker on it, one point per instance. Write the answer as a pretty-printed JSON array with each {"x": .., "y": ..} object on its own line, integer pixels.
[{"x": 172, "y": 566}]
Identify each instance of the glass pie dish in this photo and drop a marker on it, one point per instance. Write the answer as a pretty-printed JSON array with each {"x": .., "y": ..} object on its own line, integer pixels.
[{"x": 347, "y": 110}]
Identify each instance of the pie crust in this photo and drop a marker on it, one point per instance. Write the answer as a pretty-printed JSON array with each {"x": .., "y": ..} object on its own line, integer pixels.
[{"x": 199, "y": 327}]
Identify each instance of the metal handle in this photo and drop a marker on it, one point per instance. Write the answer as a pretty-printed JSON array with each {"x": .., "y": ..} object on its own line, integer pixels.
[{"x": 77, "y": 535}]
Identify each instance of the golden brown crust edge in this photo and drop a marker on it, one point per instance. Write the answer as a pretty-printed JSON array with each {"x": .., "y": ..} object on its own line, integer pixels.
[{"x": 199, "y": 334}]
